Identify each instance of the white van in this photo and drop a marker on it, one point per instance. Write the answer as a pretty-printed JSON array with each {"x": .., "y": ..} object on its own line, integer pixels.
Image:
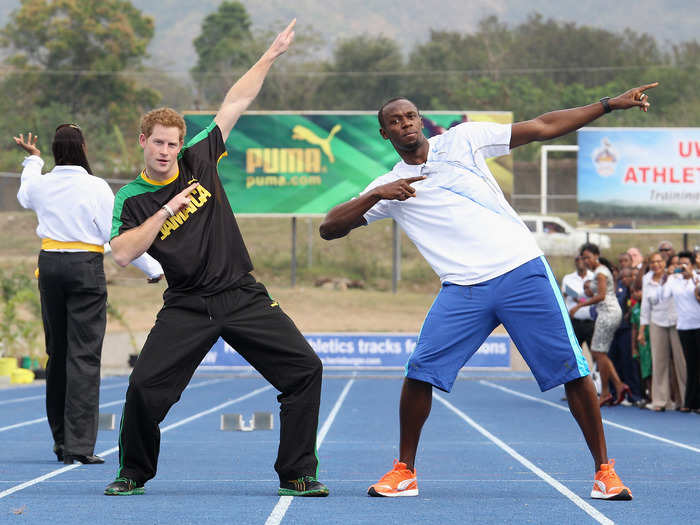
[{"x": 557, "y": 237}]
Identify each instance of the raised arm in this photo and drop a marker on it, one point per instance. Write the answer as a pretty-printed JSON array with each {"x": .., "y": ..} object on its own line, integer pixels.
[
  {"x": 244, "y": 91},
  {"x": 557, "y": 123},
  {"x": 344, "y": 217},
  {"x": 31, "y": 166}
]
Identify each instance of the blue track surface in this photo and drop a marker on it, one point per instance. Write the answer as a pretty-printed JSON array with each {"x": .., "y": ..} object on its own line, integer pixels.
[{"x": 484, "y": 453}]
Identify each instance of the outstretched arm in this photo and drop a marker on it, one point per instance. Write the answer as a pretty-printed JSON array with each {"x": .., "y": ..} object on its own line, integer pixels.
[
  {"x": 348, "y": 215},
  {"x": 557, "y": 123},
  {"x": 244, "y": 91}
]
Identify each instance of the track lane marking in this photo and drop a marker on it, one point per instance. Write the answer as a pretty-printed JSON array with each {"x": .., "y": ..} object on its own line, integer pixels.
[
  {"x": 104, "y": 405},
  {"x": 112, "y": 450},
  {"x": 43, "y": 396},
  {"x": 277, "y": 514},
  {"x": 575, "y": 499},
  {"x": 605, "y": 421}
]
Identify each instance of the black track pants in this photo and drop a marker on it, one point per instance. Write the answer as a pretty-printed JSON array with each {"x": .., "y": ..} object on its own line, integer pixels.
[
  {"x": 74, "y": 312},
  {"x": 186, "y": 328}
]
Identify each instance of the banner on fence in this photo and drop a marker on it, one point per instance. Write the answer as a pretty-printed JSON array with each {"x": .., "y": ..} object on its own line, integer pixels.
[
  {"x": 306, "y": 163},
  {"x": 374, "y": 350},
  {"x": 641, "y": 177}
]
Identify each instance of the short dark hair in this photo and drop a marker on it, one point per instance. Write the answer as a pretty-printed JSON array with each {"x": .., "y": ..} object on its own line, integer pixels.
[
  {"x": 380, "y": 113},
  {"x": 685, "y": 253},
  {"x": 589, "y": 247},
  {"x": 68, "y": 147}
]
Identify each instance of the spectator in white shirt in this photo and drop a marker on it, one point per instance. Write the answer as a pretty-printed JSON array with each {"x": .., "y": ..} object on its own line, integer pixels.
[
  {"x": 572, "y": 289},
  {"x": 74, "y": 209},
  {"x": 668, "y": 361},
  {"x": 682, "y": 285}
]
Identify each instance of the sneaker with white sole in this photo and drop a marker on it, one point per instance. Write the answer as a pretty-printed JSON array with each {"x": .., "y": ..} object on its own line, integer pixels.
[
  {"x": 399, "y": 481},
  {"x": 607, "y": 484}
]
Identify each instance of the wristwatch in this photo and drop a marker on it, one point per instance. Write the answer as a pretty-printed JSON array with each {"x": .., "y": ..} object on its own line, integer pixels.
[{"x": 606, "y": 104}]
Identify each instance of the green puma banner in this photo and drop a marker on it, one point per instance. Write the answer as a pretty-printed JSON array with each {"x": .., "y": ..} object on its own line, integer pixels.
[{"x": 306, "y": 163}]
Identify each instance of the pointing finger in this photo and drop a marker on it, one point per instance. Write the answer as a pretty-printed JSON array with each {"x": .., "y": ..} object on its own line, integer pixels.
[
  {"x": 189, "y": 189},
  {"x": 290, "y": 27},
  {"x": 411, "y": 180},
  {"x": 649, "y": 86}
]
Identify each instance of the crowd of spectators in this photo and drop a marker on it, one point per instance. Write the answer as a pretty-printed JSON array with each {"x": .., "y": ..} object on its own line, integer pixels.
[{"x": 640, "y": 319}]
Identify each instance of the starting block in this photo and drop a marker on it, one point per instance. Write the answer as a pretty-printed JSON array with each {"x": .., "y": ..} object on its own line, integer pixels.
[
  {"x": 259, "y": 421},
  {"x": 106, "y": 421}
]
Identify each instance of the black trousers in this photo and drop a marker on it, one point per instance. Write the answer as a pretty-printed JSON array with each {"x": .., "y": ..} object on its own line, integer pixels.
[
  {"x": 186, "y": 328},
  {"x": 690, "y": 339},
  {"x": 627, "y": 368},
  {"x": 583, "y": 330},
  {"x": 74, "y": 312}
]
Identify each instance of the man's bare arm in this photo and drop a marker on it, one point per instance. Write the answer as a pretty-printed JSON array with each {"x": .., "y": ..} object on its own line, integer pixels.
[
  {"x": 348, "y": 215},
  {"x": 135, "y": 242},
  {"x": 244, "y": 91},
  {"x": 557, "y": 123}
]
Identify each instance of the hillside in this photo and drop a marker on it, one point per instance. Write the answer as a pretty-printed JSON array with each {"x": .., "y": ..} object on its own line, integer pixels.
[{"x": 178, "y": 21}]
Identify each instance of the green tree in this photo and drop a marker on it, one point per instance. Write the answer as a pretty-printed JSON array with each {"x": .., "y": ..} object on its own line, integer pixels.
[
  {"x": 366, "y": 71},
  {"x": 69, "y": 62},
  {"x": 225, "y": 47},
  {"x": 72, "y": 52}
]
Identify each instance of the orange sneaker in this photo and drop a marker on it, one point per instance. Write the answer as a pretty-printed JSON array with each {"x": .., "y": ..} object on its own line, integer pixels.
[
  {"x": 607, "y": 484},
  {"x": 399, "y": 481}
]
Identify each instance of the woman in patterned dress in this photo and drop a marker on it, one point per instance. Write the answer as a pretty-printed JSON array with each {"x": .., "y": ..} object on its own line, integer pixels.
[{"x": 607, "y": 322}]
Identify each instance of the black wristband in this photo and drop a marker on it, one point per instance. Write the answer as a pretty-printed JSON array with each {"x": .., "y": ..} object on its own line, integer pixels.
[{"x": 606, "y": 104}]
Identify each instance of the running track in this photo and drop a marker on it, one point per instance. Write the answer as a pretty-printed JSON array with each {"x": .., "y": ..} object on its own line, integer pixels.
[{"x": 495, "y": 450}]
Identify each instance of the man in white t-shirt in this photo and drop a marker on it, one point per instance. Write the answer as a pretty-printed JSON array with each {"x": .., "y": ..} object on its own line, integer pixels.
[
  {"x": 572, "y": 289},
  {"x": 447, "y": 201}
]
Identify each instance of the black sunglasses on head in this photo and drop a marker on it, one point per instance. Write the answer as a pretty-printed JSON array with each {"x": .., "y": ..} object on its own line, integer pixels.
[{"x": 74, "y": 126}]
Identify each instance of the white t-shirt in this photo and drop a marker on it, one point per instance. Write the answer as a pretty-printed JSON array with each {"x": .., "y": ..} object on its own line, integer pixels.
[
  {"x": 575, "y": 282},
  {"x": 459, "y": 219},
  {"x": 655, "y": 309},
  {"x": 687, "y": 306}
]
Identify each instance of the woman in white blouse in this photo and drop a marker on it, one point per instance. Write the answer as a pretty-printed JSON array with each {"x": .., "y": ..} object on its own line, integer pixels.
[
  {"x": 74, "y": 210},
  {"x": 668, "y": 361},
  {"x": 683, "y": 287}
]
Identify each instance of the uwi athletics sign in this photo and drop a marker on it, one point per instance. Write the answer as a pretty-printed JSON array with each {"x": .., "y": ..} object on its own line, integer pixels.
[{"x": 649, "y": 177}]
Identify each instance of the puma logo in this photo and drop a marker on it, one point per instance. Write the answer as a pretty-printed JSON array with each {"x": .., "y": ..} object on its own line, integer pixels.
[{"x": 303, "y": 133}]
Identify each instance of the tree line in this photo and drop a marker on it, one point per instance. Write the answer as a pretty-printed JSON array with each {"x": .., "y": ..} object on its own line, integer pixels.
[{"x": 83, "y": 61}]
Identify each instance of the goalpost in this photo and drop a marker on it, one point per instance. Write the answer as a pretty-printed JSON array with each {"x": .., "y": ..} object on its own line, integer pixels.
[{"x": 544, "y": 152}]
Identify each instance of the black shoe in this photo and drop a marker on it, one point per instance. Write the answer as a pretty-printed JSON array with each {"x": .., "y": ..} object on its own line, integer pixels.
[
  {"x": 306, "y": 486},
  {"x": 58, "y": 450},
  {"x": 124, "y": 487},
  {"x": 85, "y": 460}
]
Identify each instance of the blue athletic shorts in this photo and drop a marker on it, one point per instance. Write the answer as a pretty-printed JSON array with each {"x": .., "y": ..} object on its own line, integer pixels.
[{"x": 526, "y": 300}]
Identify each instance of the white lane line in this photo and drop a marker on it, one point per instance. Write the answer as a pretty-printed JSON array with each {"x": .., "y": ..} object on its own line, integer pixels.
[
  {"x": 576, "y": 500},
  {"x": 103, "y": 405},
  {"x": 43, "y": 396},
  {"x": 606, "y": 421},
  {"x": 277, "y": 514},
  {"x": 112, "y": 450}
]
